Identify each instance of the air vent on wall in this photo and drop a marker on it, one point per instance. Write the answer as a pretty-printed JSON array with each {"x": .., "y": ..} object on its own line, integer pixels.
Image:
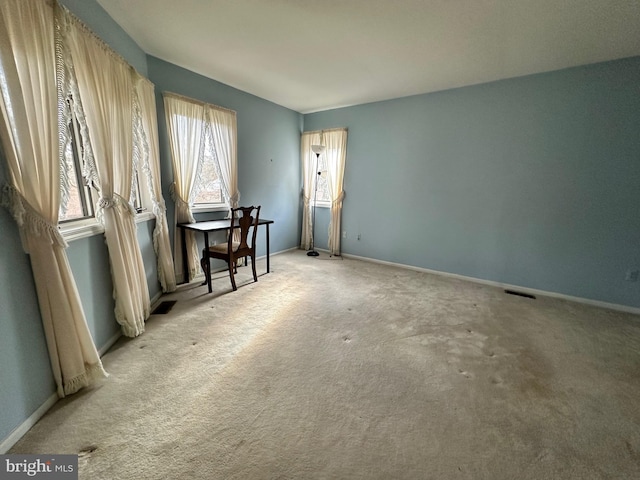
[{"x": 520, "y": 294}]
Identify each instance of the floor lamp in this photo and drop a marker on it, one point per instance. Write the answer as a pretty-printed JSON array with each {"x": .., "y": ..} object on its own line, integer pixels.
[{"x": 317, "y": 149}]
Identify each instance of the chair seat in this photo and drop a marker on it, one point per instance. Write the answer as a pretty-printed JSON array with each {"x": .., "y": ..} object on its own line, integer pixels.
[
  {"x": 244, "y": 249},
  {"x": 222, "y": 247}
]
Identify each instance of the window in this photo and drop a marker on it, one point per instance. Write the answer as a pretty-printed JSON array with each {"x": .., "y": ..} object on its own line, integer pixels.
[
  {"x": 137, "y": 194},
  {"x": 79, "y": 209},
  {"x": 80, "y": 203},
  {"x": 208, "y": 188},
  {"x": 323, "y": 199},
  {"x": 322, "y": 178},
  {"x": 203, "y": 143},
  {"x": 140, "y": 197}
]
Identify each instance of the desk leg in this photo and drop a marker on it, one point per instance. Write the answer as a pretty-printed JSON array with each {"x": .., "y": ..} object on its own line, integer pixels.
[
  {"x": 208, "y": 260},
  {"x": 268, "y": 248},
  {"x": 185, "y": 261}
]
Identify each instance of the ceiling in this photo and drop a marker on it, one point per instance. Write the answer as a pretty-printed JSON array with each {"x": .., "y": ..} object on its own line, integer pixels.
[{"x": 322, "y": 54}]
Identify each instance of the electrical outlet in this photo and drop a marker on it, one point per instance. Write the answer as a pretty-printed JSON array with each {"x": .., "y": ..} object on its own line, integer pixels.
[
  {"x": 632, "y": 275},
  {"x": 344, "y": 234},
  {"x": 359, "y": 236}
]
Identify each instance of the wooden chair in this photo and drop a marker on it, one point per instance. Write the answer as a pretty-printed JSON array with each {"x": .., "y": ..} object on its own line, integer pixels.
[{"x": 231, "y": 251}]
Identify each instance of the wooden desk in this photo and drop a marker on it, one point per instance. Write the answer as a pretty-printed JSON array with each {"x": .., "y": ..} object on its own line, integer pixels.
[{"x": 206, "y": 228}]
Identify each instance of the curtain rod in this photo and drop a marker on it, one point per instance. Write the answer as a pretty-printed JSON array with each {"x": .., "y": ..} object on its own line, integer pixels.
[
  {"x": 86, "y": 29},
  {"x": 338, "y": 129},
  {"x": 198, "y": 102}
]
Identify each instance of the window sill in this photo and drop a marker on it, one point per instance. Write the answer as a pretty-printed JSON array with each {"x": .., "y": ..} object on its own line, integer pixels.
[
  {"x": 81, "y": 229},
  {"x": 209, "y": 208},
  {"x": 144, "y": 217},
  {"x": 88, "y": 228}
]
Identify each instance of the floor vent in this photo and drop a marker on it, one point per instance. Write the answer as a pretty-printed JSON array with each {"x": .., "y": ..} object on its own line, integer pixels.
[
  {"x": 520, "y": 294},
  {"x": 163, "y": 307}
]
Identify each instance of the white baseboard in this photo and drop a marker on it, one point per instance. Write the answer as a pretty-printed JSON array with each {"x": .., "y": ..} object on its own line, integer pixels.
[
  {"x": 105, "y": 348},
  {"x": 24, "y": 427},
  {"x": 281, "y": 252},
  {"x": 532, "y": 291},
  {"x": 155, "y": 300},
  {"x": 109, "y": 343}
]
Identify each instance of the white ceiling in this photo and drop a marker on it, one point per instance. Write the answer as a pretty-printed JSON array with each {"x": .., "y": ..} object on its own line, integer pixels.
[{"x": 316, "y": 55}]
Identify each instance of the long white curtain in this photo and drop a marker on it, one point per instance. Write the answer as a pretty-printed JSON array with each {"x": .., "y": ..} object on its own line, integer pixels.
[
  {"x": 185, "y": 124},
  {"x": 161, "y": 243},
  {"x": 106, "y": 88},
  {"x": 335, "y": 156},
  {"x": 309, "y": 178},
  {"x": 335, "y": 159},
  {"x": 29, "y": 132},
  {"x": 223, "y": 124}
]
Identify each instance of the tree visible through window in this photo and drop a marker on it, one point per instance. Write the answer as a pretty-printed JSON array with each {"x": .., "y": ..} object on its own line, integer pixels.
[{"x": 208, "y": 186}]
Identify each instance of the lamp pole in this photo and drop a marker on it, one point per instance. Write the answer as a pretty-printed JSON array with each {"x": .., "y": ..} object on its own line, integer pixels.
[{"x": 317, "y": 149}]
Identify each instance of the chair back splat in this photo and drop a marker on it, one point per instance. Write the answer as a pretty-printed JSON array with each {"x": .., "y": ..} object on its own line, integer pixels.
[{"x": 244, "y": 219}]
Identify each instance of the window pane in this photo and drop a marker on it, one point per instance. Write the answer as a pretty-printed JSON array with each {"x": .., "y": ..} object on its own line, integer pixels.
[
  {"x": 74, "y": 207},
  {"x": 136, "y": 199},
  {"x": 80, "y": 203},
  {"x": 323, "y": 186},
  {"x": 209, "y": 189}
]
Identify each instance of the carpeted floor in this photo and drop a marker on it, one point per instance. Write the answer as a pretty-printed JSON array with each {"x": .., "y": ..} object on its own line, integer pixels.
[{"x": 341, "y": 369}]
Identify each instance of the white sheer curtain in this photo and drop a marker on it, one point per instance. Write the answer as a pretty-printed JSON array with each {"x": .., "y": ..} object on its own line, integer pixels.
[
  {"x": 309, "y": 177},
  {"x": 29, "y": 132},
  {"x": 223, "y": 124},
  {"x": 161, "y": 244},
  {"x": 225, "y": 140},
  {"x": 185, "y": 125},
  {"x": 106, "y": 88},
  {"x": 335, "y": 158},
  {"x": 335, "y": 155}
]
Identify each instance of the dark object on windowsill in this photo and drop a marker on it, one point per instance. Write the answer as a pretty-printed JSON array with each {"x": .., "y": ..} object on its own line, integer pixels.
[{"x": 140, "y": 209}]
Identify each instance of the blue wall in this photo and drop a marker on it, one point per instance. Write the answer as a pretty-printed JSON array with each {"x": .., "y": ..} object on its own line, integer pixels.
[
  {"x": 25, "y": 372},
  {"x": 269, "y": 172},
  {"x": 533, "y": 181},
  {"x": 99, "y": 21},
  {"x": 268, "y": 149}
]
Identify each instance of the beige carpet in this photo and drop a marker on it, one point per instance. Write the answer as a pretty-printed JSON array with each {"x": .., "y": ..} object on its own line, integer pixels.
[{"x": 341, "y": 369}]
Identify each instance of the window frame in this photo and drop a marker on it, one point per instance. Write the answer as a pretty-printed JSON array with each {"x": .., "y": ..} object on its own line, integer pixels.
[
  {"x": 223, "y": 205},
  {"x": 88, "y": 225},
  {"x": 145, "y": 210},
  {"x": 322, "y": 203},
  {"x": 85, "y": 191}
]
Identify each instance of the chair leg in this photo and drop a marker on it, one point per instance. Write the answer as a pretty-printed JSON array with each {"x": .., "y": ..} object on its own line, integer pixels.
[
  {"x": 205, "y": 268},
  {"x": 253, "y": 268},
  {"x": 233, "y": 280}
]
